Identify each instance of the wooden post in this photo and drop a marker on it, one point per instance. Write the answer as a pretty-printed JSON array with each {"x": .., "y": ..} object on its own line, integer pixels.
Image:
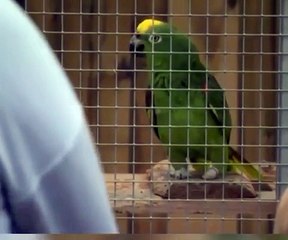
[
  {"x": 258, "y": 83},
  {"x": 258, "y": 80}
]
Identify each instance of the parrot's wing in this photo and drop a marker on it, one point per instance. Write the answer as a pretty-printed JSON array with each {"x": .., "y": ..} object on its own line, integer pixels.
[
  {"x": 219, "y": 110},
  {"x": 216, "y": 102},
  {"x": 151, "y": 111}
]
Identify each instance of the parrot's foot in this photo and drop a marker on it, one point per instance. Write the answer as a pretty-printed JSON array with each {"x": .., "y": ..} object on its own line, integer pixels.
[
  {"x": 182, "y": 173},
  {"x": 211, "y": 173}
]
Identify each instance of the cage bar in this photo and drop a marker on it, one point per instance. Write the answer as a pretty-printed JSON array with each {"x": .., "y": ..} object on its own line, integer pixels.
[{"x": 282, "y": 177}]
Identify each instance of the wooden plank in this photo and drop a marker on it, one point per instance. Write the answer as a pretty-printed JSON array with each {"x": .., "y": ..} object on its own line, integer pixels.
[
  {"x": 70, "y": 28},
  {"x": 100, "y": 80},
  {"x": 253, "y": 63},
  {"x": 224, "y": 209},
  {"x": 257, "y": 64},
  {"x": 200, "y": 224},
  {"x": 132, "y": 193},
  {"x": 111, "y": 94},
  {"x": 43, "y": 14}
]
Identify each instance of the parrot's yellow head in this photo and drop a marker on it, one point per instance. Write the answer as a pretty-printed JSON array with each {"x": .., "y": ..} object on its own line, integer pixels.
[
  {"x": 148, "y": 24},
  {"x": 148, "y": 34},
  {"x": 158, "y": 41}
]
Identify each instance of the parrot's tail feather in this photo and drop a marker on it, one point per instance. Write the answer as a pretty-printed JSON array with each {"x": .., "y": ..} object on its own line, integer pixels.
[
  {"x": 243, "y": 167},
  {"x": 234, "y": 154}
]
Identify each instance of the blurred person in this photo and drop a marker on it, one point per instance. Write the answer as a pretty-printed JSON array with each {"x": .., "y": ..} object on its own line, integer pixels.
[
  {"x": 281, "y": 217},
  {"x": 50, "y": 175}
]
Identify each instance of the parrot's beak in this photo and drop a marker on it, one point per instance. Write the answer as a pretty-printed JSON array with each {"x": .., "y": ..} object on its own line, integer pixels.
[{"x": 136, "y": 46}]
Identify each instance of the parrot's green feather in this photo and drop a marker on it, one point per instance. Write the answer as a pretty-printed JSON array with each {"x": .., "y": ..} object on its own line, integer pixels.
[
  {"x": 244, "y": 167},
  {"x": 187, "y": 106},
  {"x": 218, "y": 104},
  {"x": 150, "y": 111}
]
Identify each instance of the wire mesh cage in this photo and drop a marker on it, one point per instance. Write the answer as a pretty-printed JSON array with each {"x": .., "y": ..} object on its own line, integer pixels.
[{"x": 242, "y": 44}]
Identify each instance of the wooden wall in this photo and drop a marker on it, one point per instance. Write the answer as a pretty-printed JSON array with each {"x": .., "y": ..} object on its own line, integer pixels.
[
  {"x": 258, "y": 79},
  {"x": 91, "y": 41}
]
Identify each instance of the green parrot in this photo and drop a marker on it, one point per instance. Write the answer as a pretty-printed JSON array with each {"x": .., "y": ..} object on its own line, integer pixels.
[{"x": 187, "y": 106}]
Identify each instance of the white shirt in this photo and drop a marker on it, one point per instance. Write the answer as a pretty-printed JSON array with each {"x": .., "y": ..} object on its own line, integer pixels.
[{"x": 50, "y": 176}]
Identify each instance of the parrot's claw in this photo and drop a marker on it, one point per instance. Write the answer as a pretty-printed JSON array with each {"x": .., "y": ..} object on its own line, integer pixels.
[
  {"x": 211, "y": 173},
  {"x": 182, "y": 173}
]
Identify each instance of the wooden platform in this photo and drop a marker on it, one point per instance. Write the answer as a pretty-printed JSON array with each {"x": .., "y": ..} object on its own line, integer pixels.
[{"x": 131, "y": 194}]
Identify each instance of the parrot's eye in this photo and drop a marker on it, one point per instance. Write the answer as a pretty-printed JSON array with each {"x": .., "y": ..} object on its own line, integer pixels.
[{"x": 155, "y": 38}]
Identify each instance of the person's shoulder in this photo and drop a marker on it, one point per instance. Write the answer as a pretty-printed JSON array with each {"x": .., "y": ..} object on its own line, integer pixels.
[
  {"x": 33, "y": 83},
  {"x": 39, "y": 109}
]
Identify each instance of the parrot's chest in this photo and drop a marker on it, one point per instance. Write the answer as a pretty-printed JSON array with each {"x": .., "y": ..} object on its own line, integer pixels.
[
  {"x": 178, "y": 107},
  {"x": 177, "y": 113}
]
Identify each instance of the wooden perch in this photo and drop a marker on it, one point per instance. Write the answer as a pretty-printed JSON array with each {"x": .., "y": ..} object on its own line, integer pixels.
[
  {"x": 146, "y": 193},
  {"x": 232, "y": 186}
]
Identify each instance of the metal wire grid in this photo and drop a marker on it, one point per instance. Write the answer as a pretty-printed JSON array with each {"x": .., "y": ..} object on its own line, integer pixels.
[
  {"x": 99, "y": 12},
  {"x": 282, "y": 101}
]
